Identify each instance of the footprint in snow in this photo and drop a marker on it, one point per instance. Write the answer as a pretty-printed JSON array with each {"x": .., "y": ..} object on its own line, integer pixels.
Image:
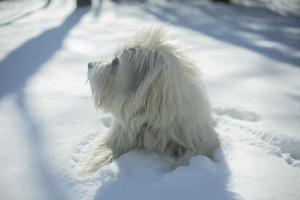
[
  {"x": 237, "y": 113},
  {"x": 283, "y": 146}
]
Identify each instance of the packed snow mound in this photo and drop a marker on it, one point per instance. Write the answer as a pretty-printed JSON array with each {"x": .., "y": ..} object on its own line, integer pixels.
[{"x": 140, "y": 175}]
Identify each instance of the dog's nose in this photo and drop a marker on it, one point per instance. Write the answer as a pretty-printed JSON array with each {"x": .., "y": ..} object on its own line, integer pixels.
[{"x": 91, "y": 65}]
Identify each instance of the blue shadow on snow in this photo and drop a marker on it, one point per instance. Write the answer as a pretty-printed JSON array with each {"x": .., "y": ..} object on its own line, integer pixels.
[
  {"x": 19, "y": 65},
  {"x": 250, "y": 28}
]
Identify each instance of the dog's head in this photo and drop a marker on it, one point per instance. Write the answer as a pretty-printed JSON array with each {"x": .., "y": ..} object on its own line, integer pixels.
[{"x": 146, "y": 75}]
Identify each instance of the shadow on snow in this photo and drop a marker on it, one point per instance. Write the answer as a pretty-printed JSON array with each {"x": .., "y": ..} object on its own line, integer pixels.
[
  {"x": 26, "y": 14},
  {"x": 140, "y": 175},
  {"x": 43, "y": 171},
  {"x": 17, "y": 67},
  {"x": 256, "y": 29}
]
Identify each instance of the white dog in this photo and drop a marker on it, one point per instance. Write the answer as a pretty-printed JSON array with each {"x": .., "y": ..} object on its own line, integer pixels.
[{"x": 159, "y": 104}]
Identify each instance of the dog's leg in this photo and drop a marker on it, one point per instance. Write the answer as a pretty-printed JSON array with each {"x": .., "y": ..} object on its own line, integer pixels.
[
  {"x": 120, "y": 140},
  {"x": 188, "y": 154},
  {"x": 101, "y": 156},
  {"x": 185, "y": 158},
  {"x": 116, "y": 143}
]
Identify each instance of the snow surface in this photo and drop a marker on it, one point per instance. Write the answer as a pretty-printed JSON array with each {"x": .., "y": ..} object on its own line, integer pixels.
[
  {"x": 282, "y": 7},
  {"x": 249, "y": 57}
]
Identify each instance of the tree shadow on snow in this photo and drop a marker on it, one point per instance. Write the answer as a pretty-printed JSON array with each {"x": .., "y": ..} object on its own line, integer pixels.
[
  {"x": 42, "y": 170},
  {"x": 18, "y": 66},
  {"x": 26, "y": 14},
  {"x": 259, "y": 30},
  {"x": 98, "y": 7},
  {"x": 138, "y": 175}
]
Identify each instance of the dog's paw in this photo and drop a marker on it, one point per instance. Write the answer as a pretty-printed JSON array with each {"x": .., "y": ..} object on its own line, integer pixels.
[
  {"x": 101, "y": 156},
  {"x": 80, "y": 150}
]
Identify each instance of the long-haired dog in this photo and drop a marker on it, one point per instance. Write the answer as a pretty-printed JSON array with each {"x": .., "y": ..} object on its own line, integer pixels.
[{"x": 158, "y": 102}]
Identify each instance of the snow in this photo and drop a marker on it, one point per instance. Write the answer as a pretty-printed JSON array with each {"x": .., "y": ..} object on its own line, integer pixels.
[
  {"x": 249, "y": 57},
  {"x": 14, "y": 10},
  {"x": 282, "y": 7}
]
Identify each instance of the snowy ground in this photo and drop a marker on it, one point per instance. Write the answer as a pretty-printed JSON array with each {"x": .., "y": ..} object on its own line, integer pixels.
[{"x": 250, "y": 59}]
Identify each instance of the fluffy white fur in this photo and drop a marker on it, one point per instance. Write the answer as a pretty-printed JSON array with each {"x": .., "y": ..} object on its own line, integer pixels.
[{"x": 159, "y": 104}]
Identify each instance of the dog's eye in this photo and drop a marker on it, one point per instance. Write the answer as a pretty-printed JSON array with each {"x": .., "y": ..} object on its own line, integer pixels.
[
  {"x": 114, "y": 65},
  {"x": 115, "y": 61}
]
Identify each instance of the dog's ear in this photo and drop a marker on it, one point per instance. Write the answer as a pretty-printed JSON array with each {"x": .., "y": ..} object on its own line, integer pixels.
[
  {"x": 140, "y": 64},
  {"x": 160, "y": 94}
]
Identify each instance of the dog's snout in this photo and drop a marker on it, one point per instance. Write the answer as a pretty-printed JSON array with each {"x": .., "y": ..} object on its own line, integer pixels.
[{"x": 91, "y": 65}]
